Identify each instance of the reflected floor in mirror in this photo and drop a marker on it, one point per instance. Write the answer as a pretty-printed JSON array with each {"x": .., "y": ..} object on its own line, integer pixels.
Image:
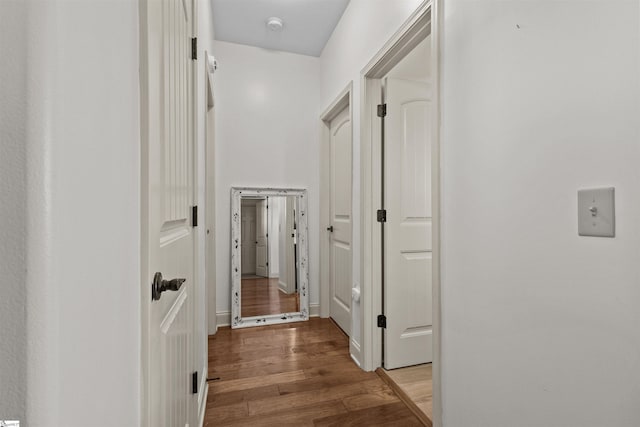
[{"x": 261, "y": 296}]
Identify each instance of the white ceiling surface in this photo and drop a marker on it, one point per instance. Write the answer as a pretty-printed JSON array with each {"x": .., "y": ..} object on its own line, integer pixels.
[{"x": 308, "y": 24}]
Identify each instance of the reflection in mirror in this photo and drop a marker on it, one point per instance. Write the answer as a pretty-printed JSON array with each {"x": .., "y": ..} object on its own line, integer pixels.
[
  {"x": 269, "y": 256},
  {"x": 268, "y": 230}
]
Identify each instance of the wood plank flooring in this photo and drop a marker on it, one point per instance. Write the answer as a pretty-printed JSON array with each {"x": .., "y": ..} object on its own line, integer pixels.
[
  {"x": 261, "y": 296},
  {"x": 414, "y": 385},
  {"x": 297, "y": 374}
]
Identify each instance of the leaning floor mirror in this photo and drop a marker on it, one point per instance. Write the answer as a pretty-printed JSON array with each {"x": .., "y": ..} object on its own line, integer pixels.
[{"x": 269, "y": 256}]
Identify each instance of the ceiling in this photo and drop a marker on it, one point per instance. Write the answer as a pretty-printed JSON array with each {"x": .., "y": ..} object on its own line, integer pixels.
[{"x": 308, "y": 24}]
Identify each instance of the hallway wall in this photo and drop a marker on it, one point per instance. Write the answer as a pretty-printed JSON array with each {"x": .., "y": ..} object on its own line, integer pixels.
[
  {"x": 80, "y": 86},
  {"x": 539, "y": 324},
  {"x": 83, "y": 198},
  {"x": 13, "y": 203},
  {"x": 267, "y": 135}
]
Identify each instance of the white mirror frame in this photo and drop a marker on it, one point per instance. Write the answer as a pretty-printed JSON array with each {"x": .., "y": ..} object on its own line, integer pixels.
[{"x": 237, "y": 321}]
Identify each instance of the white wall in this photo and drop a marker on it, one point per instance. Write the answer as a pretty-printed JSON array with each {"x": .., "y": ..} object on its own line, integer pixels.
[
  {"x": 13, "y": 203},
  {"x": 83, "y": 236},
  {"x": 76, "y": 99},
  {"x": 267, "y": 135},
  {"x": 365, "y": 27},
  {"x": 539, "y": 324}
]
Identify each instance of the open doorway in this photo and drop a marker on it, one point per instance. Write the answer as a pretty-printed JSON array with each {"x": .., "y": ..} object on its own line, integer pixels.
[
  {"x": 407, "y": 245},
  {"x": 400, "y": 180}
]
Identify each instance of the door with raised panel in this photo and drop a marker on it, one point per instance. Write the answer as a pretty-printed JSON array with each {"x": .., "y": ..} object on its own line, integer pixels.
[
  {"x": 167, "y": 192},
  {"x": 262, "y": 236},
  {"x": 340, "y": 225},
  {"x": 408, "y": 230}
]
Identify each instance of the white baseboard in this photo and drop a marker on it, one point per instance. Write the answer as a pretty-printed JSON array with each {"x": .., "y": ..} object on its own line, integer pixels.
[
  {"x": 355, "y": 352},
  {"x": 223, "y": 318},
  {"x": 282, "y": 286},
  {"x": 314, "y": 310},
  {"x": 203, "y": 405}
]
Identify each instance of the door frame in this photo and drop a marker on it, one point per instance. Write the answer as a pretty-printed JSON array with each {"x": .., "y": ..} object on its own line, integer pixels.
[
  {"x": 425, "y": 20},
  {"x": 210, "y": 197},
  {"x": 344, "y": 99}
]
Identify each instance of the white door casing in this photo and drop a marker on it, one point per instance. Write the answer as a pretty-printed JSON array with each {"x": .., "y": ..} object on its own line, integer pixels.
[
  {"x": 248, "y": 242},
  {"x": 167, "y": 77},
  {"x": 262, "y": 244},
  {"x": 408, "y": 230},
  {"x": 340, "y": 250}
]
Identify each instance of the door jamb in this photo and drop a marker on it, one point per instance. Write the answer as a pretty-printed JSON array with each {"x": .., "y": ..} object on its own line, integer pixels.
[
  {"x": 209, "y": 199},
  {"x": 341, "y": 101},
  {"x": 425, "y": 20}
]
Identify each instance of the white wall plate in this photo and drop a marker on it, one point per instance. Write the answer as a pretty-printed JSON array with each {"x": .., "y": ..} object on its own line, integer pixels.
[{"x": 596, "y": 212}]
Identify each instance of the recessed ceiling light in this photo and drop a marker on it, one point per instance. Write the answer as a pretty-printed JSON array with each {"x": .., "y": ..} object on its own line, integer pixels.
[{"x": 275, "y": 24}]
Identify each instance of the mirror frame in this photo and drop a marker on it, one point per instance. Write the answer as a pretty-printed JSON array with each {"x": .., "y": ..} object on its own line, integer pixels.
[{"x": 237, "y": 321}]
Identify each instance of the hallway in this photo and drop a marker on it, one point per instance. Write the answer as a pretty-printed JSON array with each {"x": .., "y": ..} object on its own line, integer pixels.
[{"x": 295, "y": 374}]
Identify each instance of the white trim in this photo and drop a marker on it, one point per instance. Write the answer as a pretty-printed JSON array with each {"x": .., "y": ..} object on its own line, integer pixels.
[
  {"x": 210, "y": 232},
  {"x": 344, "y": 99},
  {"x": 437, "y": 20},
  {"x": 203, "y": 404},
  {"x": 425, "y": 20},
  {"x": 355, "y": 352},
  {"x": 282, "y": 287},
  {"x": 302, "y": 214},
  {"x": 314, "y": 310},
  {"x": 223, "y": 318}
]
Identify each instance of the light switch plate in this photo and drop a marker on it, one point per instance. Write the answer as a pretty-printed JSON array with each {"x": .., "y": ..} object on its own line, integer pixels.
[{"x": 596, "y": 212}]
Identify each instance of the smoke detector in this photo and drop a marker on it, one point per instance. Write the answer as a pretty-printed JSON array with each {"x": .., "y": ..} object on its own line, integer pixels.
[{"x": 275, "y": 24}]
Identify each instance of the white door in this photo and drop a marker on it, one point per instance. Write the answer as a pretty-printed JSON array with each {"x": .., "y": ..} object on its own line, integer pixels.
[
  {"x": 340, "y": 214},
  {"x": 407, "y": 238},
  {"x": 248, "y": 233},
  {"x": 167, "y": 191},
  {"x": 262, "y": 245}
]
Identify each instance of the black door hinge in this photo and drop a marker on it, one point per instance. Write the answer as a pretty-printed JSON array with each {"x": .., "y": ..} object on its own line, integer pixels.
[
  {"x": 194, "y": 382},
  {"x": 382, "y": 215},
  {"x": 382, "y": 321},
  {"x": 382, "y": 110},
  {"x": 194, "y": 48},
  {"x": 194, "y": 216}
]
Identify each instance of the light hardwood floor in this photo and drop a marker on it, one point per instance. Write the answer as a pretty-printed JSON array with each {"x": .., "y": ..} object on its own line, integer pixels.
[
  {"x": 415, "y": 387},
  {"x": 261, "y": 296},
  {"x": 296, "y": 374}
]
